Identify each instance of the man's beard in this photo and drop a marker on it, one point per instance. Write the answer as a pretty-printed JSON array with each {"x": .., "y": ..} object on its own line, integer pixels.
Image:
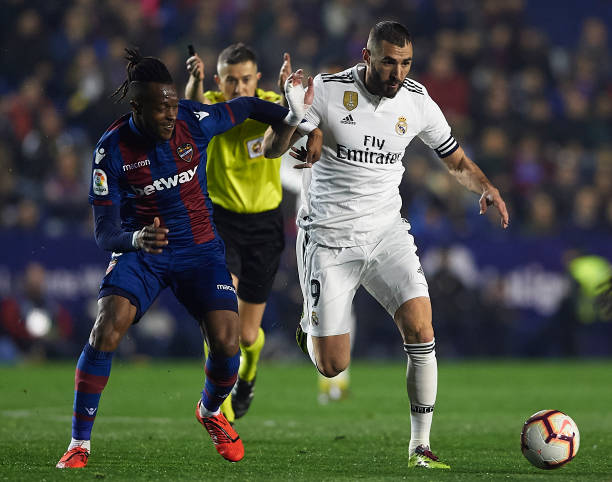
[{"x": 381, "y": 88}]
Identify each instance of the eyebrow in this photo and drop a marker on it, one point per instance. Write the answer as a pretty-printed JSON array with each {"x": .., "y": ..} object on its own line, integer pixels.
[{"x": 391, "y": 58}]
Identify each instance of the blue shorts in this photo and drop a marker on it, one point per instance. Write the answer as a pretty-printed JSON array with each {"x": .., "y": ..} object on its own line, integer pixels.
[{"x": 197, "y": 275}]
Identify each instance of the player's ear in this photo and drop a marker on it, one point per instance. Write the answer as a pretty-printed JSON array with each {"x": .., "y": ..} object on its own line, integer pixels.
[
  {"x": 366, "y": 56},
  {"x": 217, "y": 79},
  {"x": 136, "y": 106},
  {"x": 258, "y": 75}
]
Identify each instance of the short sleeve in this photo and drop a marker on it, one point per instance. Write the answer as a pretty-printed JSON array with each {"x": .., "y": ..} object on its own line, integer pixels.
[{"x": 436, "y": 132}]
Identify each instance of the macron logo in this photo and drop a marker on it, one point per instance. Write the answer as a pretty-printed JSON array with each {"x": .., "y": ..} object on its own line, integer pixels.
[
  {"x": 226, "y": 288},
  {"x": 166, "y": 183}
]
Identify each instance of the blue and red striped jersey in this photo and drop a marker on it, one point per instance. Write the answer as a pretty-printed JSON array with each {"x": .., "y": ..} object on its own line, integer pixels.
[{"x": 167, "y": 179}]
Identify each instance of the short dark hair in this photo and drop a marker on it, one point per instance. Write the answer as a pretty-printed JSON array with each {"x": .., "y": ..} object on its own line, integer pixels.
[
  {"x": 392, "y": 32},
  {"x": 236, "y": 54},
  {"x": 142, "y": 69}
]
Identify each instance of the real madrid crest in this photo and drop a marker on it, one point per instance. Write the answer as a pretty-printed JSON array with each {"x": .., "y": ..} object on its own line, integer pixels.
[
  {"x": 185, "y": 152},
  {"x": 401, "y": 127},
  {"x": 350, "y": 99}
]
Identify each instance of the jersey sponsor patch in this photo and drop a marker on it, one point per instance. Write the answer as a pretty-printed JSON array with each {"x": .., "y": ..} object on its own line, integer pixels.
[
  {"x": 350, "y": 99},
  {"x": 100, "y": 153},
  {"x": 100, "y": 182},
  {"x": 255, "y": 147},
  {"x": 402, "y": 126},
  {"x": 166, "y": 182},
  {"x": 185, "y": 152}
]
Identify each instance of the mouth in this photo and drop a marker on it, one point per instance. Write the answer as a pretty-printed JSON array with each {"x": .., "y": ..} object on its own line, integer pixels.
[{"x": 168, "y": 127}]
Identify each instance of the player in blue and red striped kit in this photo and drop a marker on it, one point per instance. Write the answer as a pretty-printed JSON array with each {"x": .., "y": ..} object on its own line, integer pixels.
[{"x": 152, "y": 210}]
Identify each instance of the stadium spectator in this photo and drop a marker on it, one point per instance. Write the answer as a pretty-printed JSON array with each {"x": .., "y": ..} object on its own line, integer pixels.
[{"x": 38, "y": 326}]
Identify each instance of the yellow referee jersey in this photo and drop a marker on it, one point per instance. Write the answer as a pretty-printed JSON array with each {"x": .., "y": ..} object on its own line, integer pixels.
[{"x": 240, "y": 178}]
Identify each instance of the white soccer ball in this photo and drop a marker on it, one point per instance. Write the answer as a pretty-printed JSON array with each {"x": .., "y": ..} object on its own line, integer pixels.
[{"x": 549, "y": 439}]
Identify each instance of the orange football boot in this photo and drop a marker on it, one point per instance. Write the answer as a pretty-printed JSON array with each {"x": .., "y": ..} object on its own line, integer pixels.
[
  {"x": 75, "y": 458},
  {"x": 226, "y": 440}
]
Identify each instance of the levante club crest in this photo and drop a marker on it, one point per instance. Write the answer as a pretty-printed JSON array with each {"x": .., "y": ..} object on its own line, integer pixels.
[{"x": 185, "y": 152}]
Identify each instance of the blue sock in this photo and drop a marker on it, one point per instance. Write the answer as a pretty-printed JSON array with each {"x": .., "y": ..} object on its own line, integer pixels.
[
  {"x": 92, "y": 371},
  {"x": 221, "y": 374}
]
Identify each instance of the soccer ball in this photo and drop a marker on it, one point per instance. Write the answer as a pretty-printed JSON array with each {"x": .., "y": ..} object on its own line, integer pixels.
[{"x": 549, "y": 439}]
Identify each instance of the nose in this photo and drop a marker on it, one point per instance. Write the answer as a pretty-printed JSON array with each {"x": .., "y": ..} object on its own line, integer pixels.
[{"x": 397, "y": 72}]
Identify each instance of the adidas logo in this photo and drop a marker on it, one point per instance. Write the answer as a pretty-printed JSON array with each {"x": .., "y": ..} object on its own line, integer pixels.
[{"x": 348, "y": 120}]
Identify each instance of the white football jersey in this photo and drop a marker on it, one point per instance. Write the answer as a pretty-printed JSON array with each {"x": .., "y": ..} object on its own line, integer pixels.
[{"x": 353, "y": 196}]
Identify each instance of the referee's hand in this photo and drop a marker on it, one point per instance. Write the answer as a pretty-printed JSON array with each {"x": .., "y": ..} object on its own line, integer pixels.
[
  {"x": 195, "y": 67},
  {"x": 151, "y": 238}
]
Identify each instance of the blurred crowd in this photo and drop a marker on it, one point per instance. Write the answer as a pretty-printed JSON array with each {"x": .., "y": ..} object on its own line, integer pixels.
[
  {"x": 531, "y": 105},
  {"x": 535, "y": 112}
]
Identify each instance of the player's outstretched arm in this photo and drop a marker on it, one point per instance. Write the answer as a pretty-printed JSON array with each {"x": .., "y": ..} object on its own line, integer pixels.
[
  {"x": 194, "y": 90},
  {"x": 278, "y": 137},
  {"x": 472, "y": 177}
]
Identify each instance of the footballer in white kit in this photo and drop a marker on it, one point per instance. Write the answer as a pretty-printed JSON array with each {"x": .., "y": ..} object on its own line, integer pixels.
[{"x": 352, "y": 233}]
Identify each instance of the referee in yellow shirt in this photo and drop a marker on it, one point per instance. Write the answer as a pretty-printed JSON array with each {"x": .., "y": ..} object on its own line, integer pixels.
[{"x": 245, "y": 188}]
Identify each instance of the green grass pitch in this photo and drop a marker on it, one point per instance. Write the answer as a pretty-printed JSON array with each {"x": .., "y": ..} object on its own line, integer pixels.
[{"x": 146, "y": 429}]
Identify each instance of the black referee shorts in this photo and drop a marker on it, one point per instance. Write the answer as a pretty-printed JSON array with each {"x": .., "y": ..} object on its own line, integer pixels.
[{"x": 253, "y": 247}]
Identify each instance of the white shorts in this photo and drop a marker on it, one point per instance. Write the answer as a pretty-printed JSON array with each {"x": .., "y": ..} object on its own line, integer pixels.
[{"x": 389, "y": 270}]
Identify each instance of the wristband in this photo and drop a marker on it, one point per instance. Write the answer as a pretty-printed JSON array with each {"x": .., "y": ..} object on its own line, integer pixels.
[
  {"x": 292, "y": 118},
  {"x": 135, "y": 240}
]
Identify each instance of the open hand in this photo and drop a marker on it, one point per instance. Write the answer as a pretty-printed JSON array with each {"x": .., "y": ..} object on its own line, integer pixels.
[
  {"x": 285, "y": 71},
  {"x": 491, "y": 197},
  {"x": 298, "y": 98}
]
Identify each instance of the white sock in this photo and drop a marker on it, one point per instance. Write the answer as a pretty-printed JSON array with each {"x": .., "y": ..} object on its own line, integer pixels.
[
  {"x": 422, "y": 385},
  {"x": 86, "y": 444},
  {"x": 204, "y": 412}
]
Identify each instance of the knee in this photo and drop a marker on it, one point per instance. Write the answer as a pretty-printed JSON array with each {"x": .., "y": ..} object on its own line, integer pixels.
[
  {"x": 416, "y": 331},
  {"x": 226, "y": 345},
  {"x": 248, "y": 336},
  {"x": 331, "y": 368}
]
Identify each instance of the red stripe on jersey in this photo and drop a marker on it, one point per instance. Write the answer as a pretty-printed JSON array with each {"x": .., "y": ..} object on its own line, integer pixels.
[
  {"x": 192, "y": 196},
  {"x": 87, "y": 383},
  {"x": 134, "y": 151},
  {"x": 105, "y": 202},
  {"x": 231, "y": 114}
]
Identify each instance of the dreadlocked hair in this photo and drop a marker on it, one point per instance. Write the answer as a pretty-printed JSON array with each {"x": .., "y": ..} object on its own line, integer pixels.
[{"x": 142, "y": 69}]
